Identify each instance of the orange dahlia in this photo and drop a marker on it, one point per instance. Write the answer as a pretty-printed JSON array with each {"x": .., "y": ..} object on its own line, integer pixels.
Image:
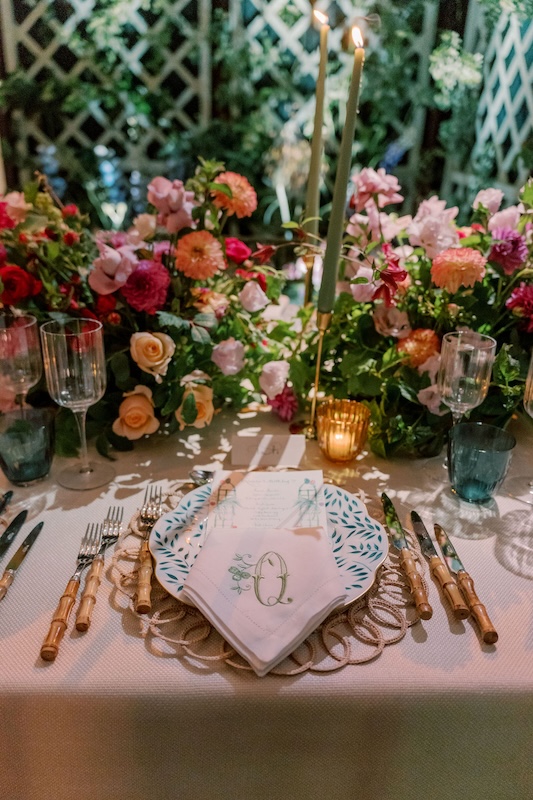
[
  {"x": 458, "y": 266},
  {"x": 199, "y": 255},
  {"x": 243, "y": 200},
  {"x": 421, "y": 344}
]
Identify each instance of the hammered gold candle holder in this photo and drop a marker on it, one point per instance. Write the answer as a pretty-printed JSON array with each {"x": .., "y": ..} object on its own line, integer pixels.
[{"x": 342, "y": 426}]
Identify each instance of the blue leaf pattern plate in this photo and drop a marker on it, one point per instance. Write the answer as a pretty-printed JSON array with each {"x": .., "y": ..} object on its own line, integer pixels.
[{"x": 359, "y": 543}]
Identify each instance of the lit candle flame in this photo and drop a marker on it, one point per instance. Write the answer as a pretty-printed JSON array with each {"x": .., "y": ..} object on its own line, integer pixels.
[
  {"x": 322, "y": 18},
  {"x": 356, "y": 36}
]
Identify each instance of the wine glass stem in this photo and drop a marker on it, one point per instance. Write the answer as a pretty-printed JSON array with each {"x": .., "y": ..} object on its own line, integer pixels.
[
  {"x": 84, "y": 457},
  {"x": 456, "y": 417}
]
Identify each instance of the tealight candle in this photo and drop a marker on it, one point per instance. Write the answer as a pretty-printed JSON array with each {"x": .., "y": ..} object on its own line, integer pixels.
[{"x": 342, "y": 426}]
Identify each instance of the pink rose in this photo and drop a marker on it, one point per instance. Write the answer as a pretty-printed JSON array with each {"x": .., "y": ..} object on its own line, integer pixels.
[
  {"x": 229, "y": 356},
  {"x": 253, "y": 297},
  {"x": 173, "y": 203},
  {"x": 274, "y": 377},
  {"x": 431, "y": 398},
  {"x": 112, "y": 269},
  {"x": 236, "y": 250},
  {"x": 491, "y": 199},
  {"x": 16, "y": 206},
  {"x": 508, "y": 218},
  {"x": 377, "y": 186},
  {"x": 433, "y": 228},
  {"x": 389, "y": 321}
]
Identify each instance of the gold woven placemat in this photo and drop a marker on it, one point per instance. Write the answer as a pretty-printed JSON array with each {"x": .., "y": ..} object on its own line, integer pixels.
[{"x": 354, "y": 635}]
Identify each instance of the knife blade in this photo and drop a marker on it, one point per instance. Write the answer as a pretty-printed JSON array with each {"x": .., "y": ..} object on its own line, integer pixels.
[
  {"x": 407, "y": 560},
  {"x": 439, "y": 570},
  {"x": 466, "y": 585},
  {"x": 6, "y": 499},
  {"x": 9, "y": 573},
  {"x": 11, "y": 531}
]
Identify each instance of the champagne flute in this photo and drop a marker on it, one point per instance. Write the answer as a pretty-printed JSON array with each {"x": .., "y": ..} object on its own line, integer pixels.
[
  {"x": 465, "y": 369},
  {"x": 20, "y": 354},
  {"x": 75, "y": 369},
  {"x": 522, "y": 487}
]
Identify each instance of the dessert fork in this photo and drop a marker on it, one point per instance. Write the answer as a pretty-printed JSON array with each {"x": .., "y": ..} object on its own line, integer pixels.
[
  {"x": 150, "y": 512},
  {"x": 110, "y": 534},
  {"x": 88, "y": 550}
]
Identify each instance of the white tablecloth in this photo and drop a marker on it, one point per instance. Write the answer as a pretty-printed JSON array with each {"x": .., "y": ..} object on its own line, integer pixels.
[{"x": 437, "y": 715}]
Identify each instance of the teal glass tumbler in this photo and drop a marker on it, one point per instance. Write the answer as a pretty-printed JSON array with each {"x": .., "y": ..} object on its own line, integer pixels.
[
  {"x": 26, "y": 445},
  {"x": 478, "y": 459}
]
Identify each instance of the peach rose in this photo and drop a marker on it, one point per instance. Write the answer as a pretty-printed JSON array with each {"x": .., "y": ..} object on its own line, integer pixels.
[
  {"x": 203, "y": 397},
  {"x": 136, "y": 414},
  {"x": 152, "y": 352}
]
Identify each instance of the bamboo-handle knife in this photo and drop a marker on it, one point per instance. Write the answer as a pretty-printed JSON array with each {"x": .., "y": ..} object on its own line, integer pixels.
[
  {"x": 466, "y": 584},
  {"x": 407, "y": 560},
  {"x": 439, "y": 569}
]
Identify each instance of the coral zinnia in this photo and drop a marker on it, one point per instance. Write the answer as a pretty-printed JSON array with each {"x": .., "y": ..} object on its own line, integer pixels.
[
  {"x": 458, "y": 266},
  {"x": 146, "y": 287},
  {"x": 199, "y": 255},
  {"x": 421, "y": 344},
  {"x": 243, "y": 200}
]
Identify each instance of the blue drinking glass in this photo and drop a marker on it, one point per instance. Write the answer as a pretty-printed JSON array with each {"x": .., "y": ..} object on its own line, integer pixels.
[{"x": 478, "y": 459}]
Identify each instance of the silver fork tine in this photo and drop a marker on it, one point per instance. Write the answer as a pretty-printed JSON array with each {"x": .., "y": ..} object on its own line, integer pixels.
[
  {"x": 110, "y": 533},
  {"x": 150, "y": 513},
  {"x": 88, "y": 550}
]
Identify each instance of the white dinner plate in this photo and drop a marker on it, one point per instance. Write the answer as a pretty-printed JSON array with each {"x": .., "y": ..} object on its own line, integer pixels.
[{"x": 359, "y": 543}]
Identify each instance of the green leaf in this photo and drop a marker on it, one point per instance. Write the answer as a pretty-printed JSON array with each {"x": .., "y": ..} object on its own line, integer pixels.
[
  {"x": 200, "y": 335},
  {"x": 166, "y": 319},
  {"x": 120, "y": 366},
  {"x": 120, "y": 443},
  {"x": 206, "y": 320},
  {"x": 189, "y": 410},
  {"x": 221, "y": 187}
]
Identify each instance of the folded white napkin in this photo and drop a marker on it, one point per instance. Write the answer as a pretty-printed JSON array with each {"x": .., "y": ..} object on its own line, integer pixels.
[{"x": 265, "y": 589}]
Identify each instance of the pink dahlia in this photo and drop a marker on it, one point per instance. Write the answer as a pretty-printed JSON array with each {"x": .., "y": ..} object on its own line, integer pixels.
[
  {"x": 509, "y": 249},
  {"x": 243, "y": 200},
  {"x": 199, "y": 255},
  {"x": 521, "y": 304},
  {"x": 458, "y": 266},
  {"x": 146, "y": 287},
  {"x": 285, "y": 404}
]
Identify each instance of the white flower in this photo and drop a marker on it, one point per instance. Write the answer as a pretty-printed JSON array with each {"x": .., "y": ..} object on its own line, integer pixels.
[{"x": 253, "y": 297}]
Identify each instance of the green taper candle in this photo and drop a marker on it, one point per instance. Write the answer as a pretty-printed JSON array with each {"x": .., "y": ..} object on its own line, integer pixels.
[
  {"x": 312, "y": 200},
  {"x": 326, "y": 296}
]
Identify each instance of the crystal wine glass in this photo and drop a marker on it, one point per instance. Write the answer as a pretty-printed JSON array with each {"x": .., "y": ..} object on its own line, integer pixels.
[
  {"x": 20, "y": 354},
  {"x": 465, "y": 370},
  {"x": 522, "y": 487},
  {"x": 75, "y": 369}
]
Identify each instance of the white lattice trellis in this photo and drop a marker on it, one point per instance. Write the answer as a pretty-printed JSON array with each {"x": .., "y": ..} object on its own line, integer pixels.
[
  {"x": 505, "y": 110},
  {"x": 185, "y": 72}
]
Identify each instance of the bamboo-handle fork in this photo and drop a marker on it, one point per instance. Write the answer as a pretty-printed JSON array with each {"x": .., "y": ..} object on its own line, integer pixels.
[
  {"x": 150, "y": 512},
  {"x": 110, "y": 534},
  {"x": 88, "y": 549}
]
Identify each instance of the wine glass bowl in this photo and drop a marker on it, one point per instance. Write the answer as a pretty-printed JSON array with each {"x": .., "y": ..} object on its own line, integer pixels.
[
  {"x": 465, "y": 370},
  {"x": 75, "y": 369},
  {"x": 20, "y": 354},
  {"x": 520, "y": 486}
]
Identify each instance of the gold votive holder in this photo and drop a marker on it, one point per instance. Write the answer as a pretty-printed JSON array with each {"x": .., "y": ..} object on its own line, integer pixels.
[{"x": 342, "y": 426}]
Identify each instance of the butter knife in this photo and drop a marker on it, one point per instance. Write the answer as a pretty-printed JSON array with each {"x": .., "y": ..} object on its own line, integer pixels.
[
  {"x": 439, "y": 569},
  {"x": 407, "y": 560},
  {"x": 6, "y": 499},
  {"x": 466, "y": 585},
  {"x": 7, "y": 578},
  {"x": 11, "y": 531}
]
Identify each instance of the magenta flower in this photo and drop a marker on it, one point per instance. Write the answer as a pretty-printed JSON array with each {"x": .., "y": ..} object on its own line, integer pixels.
[
  {"x": 285, "y": 404},
  {"x": 521, "y": 304},
  {"x": 509, "y": 249},
  {"x": 146, "y": 288}
]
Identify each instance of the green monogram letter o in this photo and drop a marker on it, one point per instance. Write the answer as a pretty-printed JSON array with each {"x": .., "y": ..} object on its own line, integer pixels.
[{"x": 272, "y": 559}]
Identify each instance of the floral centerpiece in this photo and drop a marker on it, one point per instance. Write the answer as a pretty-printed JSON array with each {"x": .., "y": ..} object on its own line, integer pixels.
[
  {"x": 407, "y": 282},
  {"x": 185, "y": 308}
]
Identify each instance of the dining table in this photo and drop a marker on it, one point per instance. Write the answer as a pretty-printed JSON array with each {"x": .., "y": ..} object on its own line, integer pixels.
[{"x": 123, "y": 715}]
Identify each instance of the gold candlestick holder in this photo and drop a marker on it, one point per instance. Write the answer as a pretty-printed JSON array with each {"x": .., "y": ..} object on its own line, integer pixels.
[{"x": 323, "y": 322}]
